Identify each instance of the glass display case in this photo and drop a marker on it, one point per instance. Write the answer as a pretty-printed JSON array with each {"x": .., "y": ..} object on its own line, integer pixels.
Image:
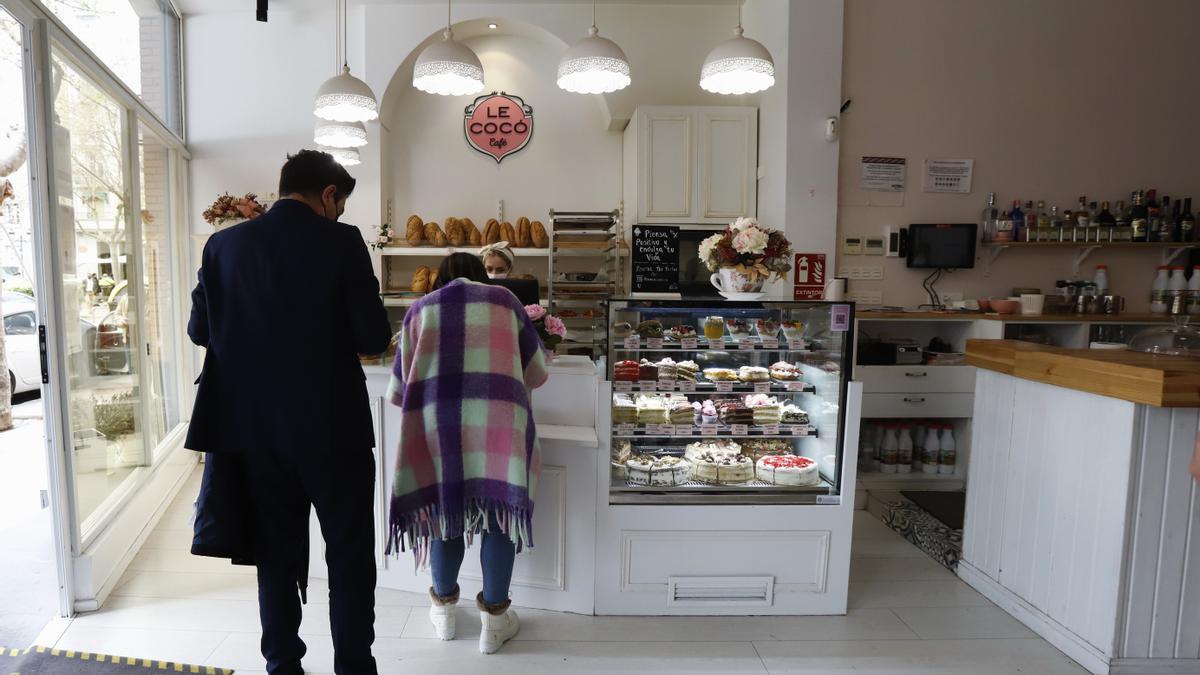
[{"x": 727, "y": 402}]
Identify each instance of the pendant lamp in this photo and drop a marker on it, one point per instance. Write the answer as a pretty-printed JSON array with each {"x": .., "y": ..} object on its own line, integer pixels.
[
  {"x": 340, "y": 134},
  {"x": 345, "y": 156},
  {"x": 343, "y": 97},
  {"x": 594, "y": 65},
  {"x": 448, "y": 68},
  {"x": 738, "y": 65}
]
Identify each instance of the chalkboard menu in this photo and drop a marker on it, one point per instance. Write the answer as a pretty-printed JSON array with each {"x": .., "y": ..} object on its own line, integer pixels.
[{"x": 655, "y": 259}]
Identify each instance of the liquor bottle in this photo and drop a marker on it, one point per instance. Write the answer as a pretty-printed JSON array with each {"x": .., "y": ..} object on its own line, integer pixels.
[
  {"x": 1018, "y": 221},
  {"x": 1151, "y": 214},
  {"x": 1106, "y": 224},
  {"x": 1176, "y": 218},
  {"x": 1122, "y": 231},
  {"x": 1030, "y": 229},
  {"x": 987, "y": 220},
  {"x": 1056, "y": 225},
  {"x": 1161, "y": 225},
  {"x": 1187, "y": 222},
  {"x": 1138, "y": 215},
  {"x": 1083, "y": 221}
]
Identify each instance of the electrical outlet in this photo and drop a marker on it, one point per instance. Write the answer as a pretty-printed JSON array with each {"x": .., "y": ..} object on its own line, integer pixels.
[
  {"x": 865, "y": 297},
  {"x": 864, "y": 273},
  {"x": 948, "y": 297}
]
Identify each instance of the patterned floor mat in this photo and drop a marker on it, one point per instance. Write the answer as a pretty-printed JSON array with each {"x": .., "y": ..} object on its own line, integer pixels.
[
  {"x": 47, "y": 661},
  {"x": 924, "y": 531}
]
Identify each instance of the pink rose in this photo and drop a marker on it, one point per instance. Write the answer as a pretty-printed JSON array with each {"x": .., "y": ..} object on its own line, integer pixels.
[
  {"x": 535, "y": 312},
  {"x": 555, "y": 326}
]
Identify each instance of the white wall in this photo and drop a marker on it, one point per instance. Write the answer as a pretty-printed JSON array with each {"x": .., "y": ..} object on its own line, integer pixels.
[{"x": 1052, "y": 100}]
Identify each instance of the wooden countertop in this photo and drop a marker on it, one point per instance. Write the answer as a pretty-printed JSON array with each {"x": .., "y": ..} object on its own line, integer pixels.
[
  {"x": 1162, "y": 381},
  {"x": 867, "y": 315}
]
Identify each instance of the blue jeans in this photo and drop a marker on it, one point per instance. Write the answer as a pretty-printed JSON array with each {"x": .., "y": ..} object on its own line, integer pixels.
[{"x": 496, "y": 555}]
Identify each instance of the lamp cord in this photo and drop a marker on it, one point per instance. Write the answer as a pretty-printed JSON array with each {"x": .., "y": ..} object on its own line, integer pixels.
[
  {"x": 593, "y": 13},
  {"x": 739, "y": 4},
  {"x": 345, "y": 34},
  {"x": 448, "y": 15}
]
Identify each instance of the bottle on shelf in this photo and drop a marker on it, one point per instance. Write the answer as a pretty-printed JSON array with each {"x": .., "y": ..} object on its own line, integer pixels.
[
  {"x": 904, "y": 450},
  {"x": 918, "y": 438},
  {"x": 1043, "y": 222},
  {"x": 1083, "y": 221},
  {"x": 1187, "y": 222},
  {"x": 988, "y": 219},
  {"x": 1138, "y": 218},
  {"x": 1029, "y": 230},
  {"x": 1163, "y": 226},
  {"x": 1101, "y": 280},
  {"x": 1151, "y": 215},
  {"x": 1018, "y": 221},
  {"x": 1093, "y": 225},
  {"x": 1106, "y": 224},
  {"x": 866, "y": 449},
  {"x": 947, "y": 457},
  {"x": 1193, "y": 294},
  {"x": 1158, "y": 291},
  {"x": 891, "y": 449},
  {"x": 1177, "y": 292},
  {"x": 1004, "y": 228},
  {"x": 931, "y": 450}
]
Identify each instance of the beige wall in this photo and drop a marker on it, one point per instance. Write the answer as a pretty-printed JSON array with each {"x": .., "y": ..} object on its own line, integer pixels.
[{"x": 1052, "y": 100}]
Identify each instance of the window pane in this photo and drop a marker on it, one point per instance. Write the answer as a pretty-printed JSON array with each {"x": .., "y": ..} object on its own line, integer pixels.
[
  {"x": 138, "y": 40},
  {"x": 158, "y": 320},
  {"x": 95, "y": 250}
]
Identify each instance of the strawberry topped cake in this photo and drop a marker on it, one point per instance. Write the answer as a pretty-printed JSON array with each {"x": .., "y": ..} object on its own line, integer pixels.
[{"x": 787, "y": 470}]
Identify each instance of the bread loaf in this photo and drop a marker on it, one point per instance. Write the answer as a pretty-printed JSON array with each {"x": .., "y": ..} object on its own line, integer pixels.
[
  {"x": 537, "y": 233},
  {"x": 415, "y": 231},
  {"x": 507, "y": 233},
  {"x": 455, "y": 233},
  {"x": 491, "y": 233},
  {"x": 523, "y": 239},
  {"x": 474, "y": 237},
  {"x": 433, "y": 278},
  {"x": 420, "y": 280},
  {"x": 434, "y": 234}
]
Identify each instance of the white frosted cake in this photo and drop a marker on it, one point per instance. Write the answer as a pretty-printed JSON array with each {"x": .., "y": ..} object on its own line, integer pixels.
[
  {"x": 658, "y": 471},
  {"x": 722, "y": 469},
  {"x": 787, "y": 470},
  {"x": 698, "y": 448}
]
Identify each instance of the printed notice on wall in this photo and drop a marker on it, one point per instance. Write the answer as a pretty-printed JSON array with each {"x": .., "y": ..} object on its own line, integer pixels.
[
  {"x": 885, "y": 174},
  {"x": 949, "y": 175}
]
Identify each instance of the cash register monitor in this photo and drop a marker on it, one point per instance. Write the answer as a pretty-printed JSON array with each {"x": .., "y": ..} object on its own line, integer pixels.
[
  {"x": 526, "y": 290},
  {"x": 942, "y": 246}
]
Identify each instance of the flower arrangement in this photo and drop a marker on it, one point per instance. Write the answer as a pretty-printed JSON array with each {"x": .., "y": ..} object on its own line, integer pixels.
[
  {"x": 384, "y": 234},
  {"x": 549, "y": 327},
  {"x": 754, "y": 251},
  {"x": 228, "y": 209}
]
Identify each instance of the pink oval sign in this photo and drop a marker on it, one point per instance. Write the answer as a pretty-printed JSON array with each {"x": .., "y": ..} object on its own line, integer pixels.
[{"x": 498, "y": 125}]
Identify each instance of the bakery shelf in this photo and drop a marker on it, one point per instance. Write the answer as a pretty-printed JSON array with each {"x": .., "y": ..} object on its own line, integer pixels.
[
  {"x": 707, "y": 388},
  {"x": 703, "y": 344},
  {"x": 723, "y": 431},
  {"x": 442, "y": 251},
  {"x": 935, "y": 482}
]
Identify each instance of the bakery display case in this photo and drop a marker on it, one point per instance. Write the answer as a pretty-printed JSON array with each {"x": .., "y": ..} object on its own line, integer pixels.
[{"x": 727, "y": 402}]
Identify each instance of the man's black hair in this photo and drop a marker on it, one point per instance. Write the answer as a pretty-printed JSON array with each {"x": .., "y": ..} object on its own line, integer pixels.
[
  {"x": 460, "y": 266},
  {"x": 309, "y": 172}
]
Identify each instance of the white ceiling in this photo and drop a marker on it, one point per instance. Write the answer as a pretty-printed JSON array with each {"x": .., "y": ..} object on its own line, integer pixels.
[{"x": 247, "y": 6}]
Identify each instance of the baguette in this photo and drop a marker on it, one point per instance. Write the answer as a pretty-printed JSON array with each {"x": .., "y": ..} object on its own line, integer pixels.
[
  {"x": 507, "y": 233},
  {"x": 523, "y": 239},
  {"x": 537, "y": 233}
]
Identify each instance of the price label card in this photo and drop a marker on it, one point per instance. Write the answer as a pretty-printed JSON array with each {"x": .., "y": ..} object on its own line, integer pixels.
[
  {"x": 770, "y": 343},
  {"x": 795, "y": 386},
  {"x": 745, "y": 343},
  {"x": 684, "y": 430},
  {"x": 688, "y": 343},
  {"x": 762, "y": 387},
  {"x": 664, "y": 383},
  {"x": 623, "y": 386},
  {"x": 738, "y": 429},
  {"x": 625, "y": 429},
  {"x": 716, "y": 344},
  {"x": 648, "y": 385},
  {"x": 687, "y": 385},
  {"x": 770, "y": 430},
  {"x": 708, "y": 430},
  {"x": 653, "y": 343},
  {"x": 631, "y": 342},
  {"x": 799, "y": 430},
  {"x": 796, "y": 344},
  {"x": 724, "y": 386},
  {"x": 655, "y": 429}
]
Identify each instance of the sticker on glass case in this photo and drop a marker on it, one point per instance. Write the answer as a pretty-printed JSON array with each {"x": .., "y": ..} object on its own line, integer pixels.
[{"x": 839, "y": 319}]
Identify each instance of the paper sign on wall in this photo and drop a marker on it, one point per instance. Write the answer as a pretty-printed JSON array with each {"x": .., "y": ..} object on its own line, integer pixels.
[
  {"x": 949, "y": 175},
  {"x": 809, "y": 276},
  {"x": 885, "y": 174}
]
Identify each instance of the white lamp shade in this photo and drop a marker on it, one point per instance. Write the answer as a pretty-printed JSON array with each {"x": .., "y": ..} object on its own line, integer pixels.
[
  {"x": 448, "y": 68},
  {"x": 341, "y": 134},
  {"x": 594, "y": 65},
  {"x": 738, "y": 66},
  {"x": 345, "y": 156},
  {"x": 345, "y": 98}
]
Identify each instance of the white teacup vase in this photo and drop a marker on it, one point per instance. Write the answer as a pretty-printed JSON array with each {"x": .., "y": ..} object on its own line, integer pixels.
[{"x": 729, "y": 282}]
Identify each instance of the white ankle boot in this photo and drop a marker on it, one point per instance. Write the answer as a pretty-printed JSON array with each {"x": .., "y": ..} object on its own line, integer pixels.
[
  {"x": 499, "y": 625},
  {"x": 441, "y": 613}
]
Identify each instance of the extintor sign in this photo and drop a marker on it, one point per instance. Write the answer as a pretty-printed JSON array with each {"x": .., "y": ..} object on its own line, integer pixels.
[{"x": 498, "y": 124}]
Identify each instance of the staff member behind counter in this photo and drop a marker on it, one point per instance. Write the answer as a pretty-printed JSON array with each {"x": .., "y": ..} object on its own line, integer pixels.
[{"x": 498, "y": 262}]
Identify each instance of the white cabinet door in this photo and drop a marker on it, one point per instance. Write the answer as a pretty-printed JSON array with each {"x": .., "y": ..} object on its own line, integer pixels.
[
  {"x": 728, "y": 158},
  {"x": 666, "y": 165}
]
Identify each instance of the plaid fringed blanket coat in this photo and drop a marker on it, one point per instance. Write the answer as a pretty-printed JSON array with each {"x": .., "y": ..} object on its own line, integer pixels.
[{"x": 468, "y": 356}]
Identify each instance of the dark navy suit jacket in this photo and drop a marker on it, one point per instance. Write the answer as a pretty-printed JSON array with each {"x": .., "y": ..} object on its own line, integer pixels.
[{"x": 284, "y": 304}]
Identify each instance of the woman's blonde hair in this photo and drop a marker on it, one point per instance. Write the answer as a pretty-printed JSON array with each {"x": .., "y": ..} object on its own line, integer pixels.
[{"x": 499, "y": 248}]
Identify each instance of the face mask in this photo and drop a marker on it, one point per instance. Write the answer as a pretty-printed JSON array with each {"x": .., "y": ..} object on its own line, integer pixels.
[{"x": 497, "y": 275}]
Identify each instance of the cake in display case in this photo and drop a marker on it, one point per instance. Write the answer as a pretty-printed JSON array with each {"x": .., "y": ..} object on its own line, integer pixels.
[{"x": 727, "y": 402}]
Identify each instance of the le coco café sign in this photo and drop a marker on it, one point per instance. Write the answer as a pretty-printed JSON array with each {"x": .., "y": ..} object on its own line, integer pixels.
[{"x": 498, "y": 124}]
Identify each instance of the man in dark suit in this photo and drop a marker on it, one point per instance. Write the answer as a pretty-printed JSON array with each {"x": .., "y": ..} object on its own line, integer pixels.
[{"x": 284, "y": 304}]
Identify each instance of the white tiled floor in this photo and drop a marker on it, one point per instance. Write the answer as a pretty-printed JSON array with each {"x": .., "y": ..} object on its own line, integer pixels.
[{"x": 907, "y": 615}]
